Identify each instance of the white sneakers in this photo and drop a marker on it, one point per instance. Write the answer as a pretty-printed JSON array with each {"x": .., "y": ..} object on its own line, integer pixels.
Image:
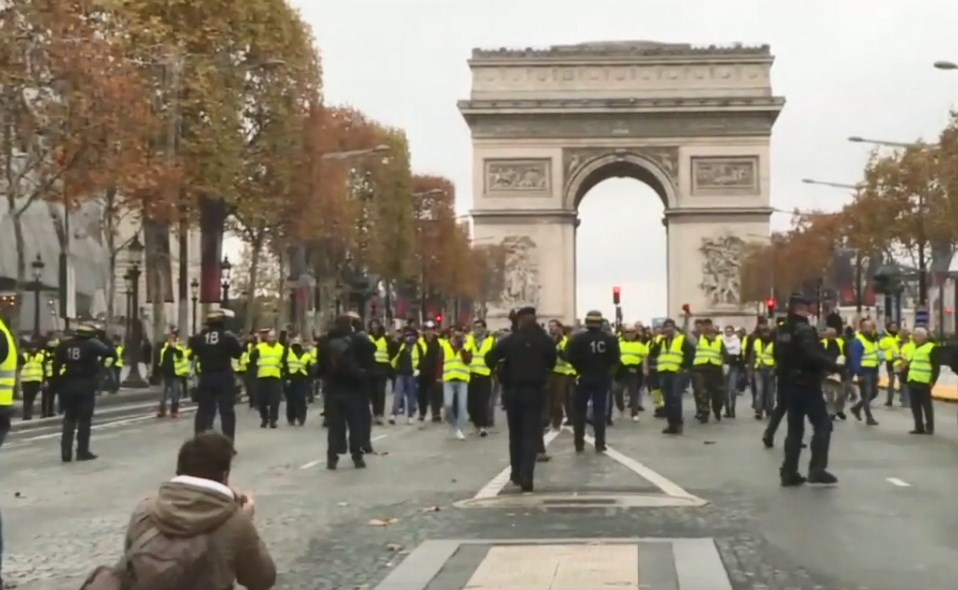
[{"x": 460, "y": 435}]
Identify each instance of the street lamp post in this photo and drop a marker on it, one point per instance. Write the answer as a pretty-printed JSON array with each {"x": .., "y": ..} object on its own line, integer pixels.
[
  {"x": 194, "y": 297},
  {"x": 134, "y": 342},
  {"x": 37, "y": 266},
  {"x": 227, "y": 269}
]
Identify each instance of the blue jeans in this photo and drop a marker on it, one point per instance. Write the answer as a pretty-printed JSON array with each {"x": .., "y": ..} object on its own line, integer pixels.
[
  {"x": 172, "y": 387},
  {"x": 868, "y": 390},
  {"x": 454, "y": 399},
  {"x": 673, "y": 387},
  {"x": 404, "y": 395}
]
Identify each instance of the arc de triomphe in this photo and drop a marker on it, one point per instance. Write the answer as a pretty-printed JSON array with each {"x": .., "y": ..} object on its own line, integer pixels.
[{"x": 692, "y": 123}]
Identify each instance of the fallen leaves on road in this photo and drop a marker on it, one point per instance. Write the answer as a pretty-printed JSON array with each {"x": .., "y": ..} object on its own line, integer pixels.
[
  {"x": 394, "y": 547},
  {"x": 383, "y": 522},
  {"x": 431, "y": 509}
]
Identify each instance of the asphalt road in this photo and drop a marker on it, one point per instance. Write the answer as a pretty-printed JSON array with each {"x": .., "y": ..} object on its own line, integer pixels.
[{"x": 888, "y": 525}]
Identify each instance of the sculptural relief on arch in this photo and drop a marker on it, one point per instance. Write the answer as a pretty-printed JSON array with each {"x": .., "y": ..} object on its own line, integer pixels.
[{"x": 692, "y": 123}]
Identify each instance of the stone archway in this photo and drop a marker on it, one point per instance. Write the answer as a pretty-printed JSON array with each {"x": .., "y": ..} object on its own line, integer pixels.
[{"x": 692, "y": 123}]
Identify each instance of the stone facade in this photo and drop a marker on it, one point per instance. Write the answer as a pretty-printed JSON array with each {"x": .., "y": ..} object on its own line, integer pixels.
[{"x": 692, "y": 123}]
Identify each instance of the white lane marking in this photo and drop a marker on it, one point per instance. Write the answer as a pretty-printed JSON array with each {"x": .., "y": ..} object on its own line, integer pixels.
[
  {"x": 669, "y": 487},
  {"x": 898, "y": 482},
  {"x": 497, "y": 483},
  {"x": 312, "y": 464},
  {"x": 103, "y": 426}
]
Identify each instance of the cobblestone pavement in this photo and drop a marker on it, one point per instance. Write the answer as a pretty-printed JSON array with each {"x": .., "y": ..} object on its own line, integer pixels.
[{"x": 882, "y": 528}]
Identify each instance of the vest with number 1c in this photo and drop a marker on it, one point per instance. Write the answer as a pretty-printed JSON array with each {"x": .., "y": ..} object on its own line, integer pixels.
[
  {"x": 268, "y": 363},
  {"x": 671, "y": 355},
  {"x": 708, "y": 352},
  {"x": 479, "y": 350},
  {"x": 8, "y": 368},
  {"x": 297, "y": 364},
  {"x": 382, "y": 350},
  {"x": 920, "y": 369},
  {"x": 453, "y": 367}
]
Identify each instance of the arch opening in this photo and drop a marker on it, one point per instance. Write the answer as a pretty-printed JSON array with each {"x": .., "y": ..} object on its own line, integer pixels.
[
  {"x": 620, "y": 241},
  {"x": 621, "y": 169}
]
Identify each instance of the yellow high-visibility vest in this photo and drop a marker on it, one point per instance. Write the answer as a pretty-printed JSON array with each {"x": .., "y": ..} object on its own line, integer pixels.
[
  {"x": 297, "y": 364},
  {"x": 453, "y": 367},
  {"x": 478, "y": 364},
  {"x": 8, "y": 368},
  {"x": 708, "y": 353},
  {"x": 870, "y": 358},
  {"x": 32, "y": 371},
  {"x": 382, "y": 349},
  {"x": 563, "y": 367},
  {"x": 270, "y": 358},
  {"x": 415, "y": 354},
  {"x": 632, "y": 352},
  {"x": 764, "y": 354},
  {"x": 919, "y": 369},
  {"x": 890, "y": 345},
  {"x": 670, "y": 357}
]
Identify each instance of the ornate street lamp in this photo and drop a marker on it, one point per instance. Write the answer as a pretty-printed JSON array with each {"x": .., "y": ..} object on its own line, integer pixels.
[
  {"x": 194, "y": 297},
  {"x": 37, "y": 266},
  {"x": 134, "y": 343},
  {"x": 226, "y": 269}
]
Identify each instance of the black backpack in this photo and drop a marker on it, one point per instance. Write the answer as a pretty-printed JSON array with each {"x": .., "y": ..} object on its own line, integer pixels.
[{"x": 342, "y": 360}]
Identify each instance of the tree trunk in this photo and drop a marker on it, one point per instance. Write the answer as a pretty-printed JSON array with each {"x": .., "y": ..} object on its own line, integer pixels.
[
  {"x": 284, "y": 315},
  {"x": 252, "y": 306},
  {"x": 109, "y": 238},
  {"x": 157, "y": 260},
  {"x": 15, "y": 317}
]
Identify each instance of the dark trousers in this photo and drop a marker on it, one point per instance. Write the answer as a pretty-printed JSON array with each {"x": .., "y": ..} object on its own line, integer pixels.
[
  {"x": 366, "y": 416},
  {"x": 709, "y": 390},
  {"x": 269, "y": 393},
  {"x": 922, "y": 408},
  {"x": 671, "y": 384},
  {"x": 30, "y": 391},
  {"x": 48, "y": 401},
  {"x": 215, "y": 393},
  {"x": 479, "y": 390},
  {"x": 430, "y": 397},
  {"x": 775, "y": 418},
  {"x": 249, "y": 380},
  {"x": 806, "y": 401},
  {"x": 524, "y": 417},
  {"x": 598, "y": 393},
  {"x": 78, "y": 403},
  {"x": 296, "y": 393},
  {"x": 343, "y": 413}
]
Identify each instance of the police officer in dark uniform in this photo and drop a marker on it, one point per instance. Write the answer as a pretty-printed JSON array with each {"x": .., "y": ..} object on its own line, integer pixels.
[
  {"x": 801, "y": 362},
  {"x": 525, "y": 359},
  {"x": 344, "y": 370},
  {"x": 214, "y": 349},
  {"x": 366, "y": 350},
  {"x": 76, "y": 365},
  {"x": 594, "y": 354}
]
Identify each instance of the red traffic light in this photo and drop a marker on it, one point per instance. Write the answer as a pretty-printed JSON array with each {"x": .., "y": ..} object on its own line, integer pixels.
[
  {"x": 771, "y": 303},
  {"x": 686, "y": 309},
  {"x": 616, "y": 295},
  {"x": 438, "y": 319}
]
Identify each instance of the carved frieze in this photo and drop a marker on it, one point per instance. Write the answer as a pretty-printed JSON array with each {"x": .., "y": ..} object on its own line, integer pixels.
[
  {"x": 507, "y": 176},
  {"x": 521, "y": 285},
  {"x": 666, "y": 157},
  {"x": 725, "y": 175},
  {"x": 635, "y": 125},
  {"x": 722, "y": 269}
]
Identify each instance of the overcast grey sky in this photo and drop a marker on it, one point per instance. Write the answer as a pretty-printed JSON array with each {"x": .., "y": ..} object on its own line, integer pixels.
[{"x": 846, "y": 67}]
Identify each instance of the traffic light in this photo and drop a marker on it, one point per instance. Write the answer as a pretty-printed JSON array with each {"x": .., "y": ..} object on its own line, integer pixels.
[
  {"x": 616, "y": 295},
  {"x": 438, "y": 319},
  {"x": 686, "y": 309},
  {"x": 771, "y": 304}
]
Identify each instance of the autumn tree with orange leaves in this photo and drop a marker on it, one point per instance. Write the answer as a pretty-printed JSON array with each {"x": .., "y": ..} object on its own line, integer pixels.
[
  {"x": 788, "y": 261},
  {"x": 76, "y": 114}
]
